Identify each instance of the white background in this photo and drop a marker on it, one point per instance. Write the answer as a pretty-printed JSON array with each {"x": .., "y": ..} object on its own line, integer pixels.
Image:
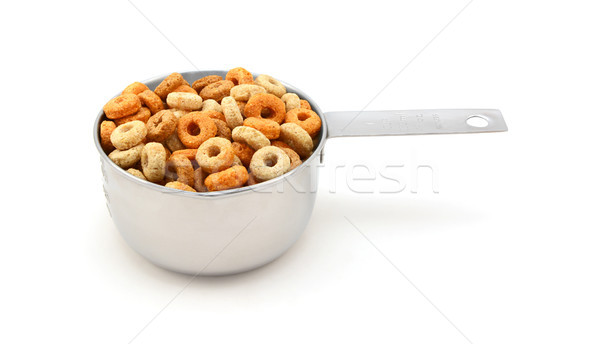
[{"x": 507, "y": 251}]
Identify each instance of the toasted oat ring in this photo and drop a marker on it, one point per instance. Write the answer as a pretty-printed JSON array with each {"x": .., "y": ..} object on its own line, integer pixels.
[
  {"x": 152, "y": 101},
  {"x": 305, "y": 104},
  {"x": 179, "y": 113},
  {"x": 195, "y": 128},
  {"x": 170, "y": 83},
  {"x": 243, "y": 151},
  {"x": 179, "y": 168},
  {"x": 232, "y": 113},
  {"x": 250, "y": 136},
  {"x": 106, "y": 129},
  {"x": 212, "y": 114},
  {"x": 142, "y": 115},
  {"x": 217, "y": 90},
  {"x": 121, "y": 106},
  {"x": 261, "y": 101},
  {"x": 128, "y": 135},
  {"x": 265, "y": 126},
  {"x": 173, "y": 142},
  {"x": 295, "y": 160},
  {"x": 269, "y": 162},
  {"x": 307, "y": 119},
  {"x": 222, "y": 129},
  {"x": 137, "y": 173},
  {"x": 270, "y": 84},
  {"x": 127, "y": 158},
  {"x": 180, "y": 186},
  {"x": 188, "y": 153},
  {"x": 291, "y": 101},
  {"x": 199, "y": 177},
  {"x": 211, "y": 105},
  {"x": 161, "y": 126},
  {"x": 297, "y": 138},
  {"x": 215, "y": 155},
  {"x": 186, "y": 89},
  {"x": 241, "y": 106},
  {"x": 280, "y": 144},
  {"x": 184, "y": 101},
  {"x": 154, "y": 157},
  {"x": 244, "y": 92},
  {"x": 230, "y": 178},
  {"x": 239, "y": 76},
  {"x": 199, "y": 84},
  {"x": 135, "y": 88}
]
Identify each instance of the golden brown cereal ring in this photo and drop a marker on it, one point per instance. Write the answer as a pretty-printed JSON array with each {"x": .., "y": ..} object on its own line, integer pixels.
[
  {"x": 243, "y": 151},
  {"x": 261, "y": 101},
  {"x": 186, "y": 89},
  {"x": 106, "y": 128},
  {"x": 121, "y": 106},
  {"x": 179, "y": 113},
  {"x": 297, "y": 138},
  {"x": 184, "y": 101},
  {"x": 199, "y": 177},
  {"x": 251, "y": 180},
  {"x": 237, "y": 161},
  {"x": 212, "y": 114},
  {"x": 233, "y": 116},
  {"x": 128, "y": 135},
  {"x": 239, "y": 76},
  {"x": 305, "y": 104},
  {"x": 180, "y": 168},
  {"x": 142, "y": 115},
  {"x": 241, "y": 106},
  {"x": 161, "y": 126},
  {"x": 270, "y": 84},
  {"x": 211, "y": 105},
  {"x": 231, "y": 178},
  {"x": 199, "y": 84},
  {"x": 244, "y": 92},
  {"x": 169, "y": 84},
  {"x": 269, "y": 162},
  {"x": 250, "y": 136},
  {"x": 295, "y": 160},
  {"x": 215, "y": 155},
  {"x": 217, "y": 90},
  {"x": 152, "y": 101},
  {"x": 127, "y": 158},
  {"x": 180, "y": 186},
  {"x": 195, "y": 128},
  {"x": 280, "y": 144},
  {"x": 137, "y": 173},
  {"x": 189, "y": 154},
  {"x": 173, "y": 142},
  {"x": 154, "y": 158},
  {"x": 135, "y": 88},
  {"x": 265, "y": 126},
  {"x": 291, "y": 101},
  {"x": 222, "y": 129},
  {"x": 307, "y": 119}
]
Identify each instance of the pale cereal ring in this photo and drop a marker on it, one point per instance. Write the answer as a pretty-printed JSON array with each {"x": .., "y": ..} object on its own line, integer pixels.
[
  {"x": 269, "y": 162},
  {"x": 173, "y": 142},
  {"x": 128, "y": 135},
  {"x": 244, "y": 92},
  {"x": 199, "y": 177},
  {"x": 270, "y": 84},
  {"x": 280, "y": 144},
  {"x": 135, "y": 88},
  {"x": 297, "y": 138},
  {"x": 127, "y": 158},
  {"x": 243, "y": 151},
  {"x": 142, "y": 115},
  {"x": 222, "y": 129},
  {"x": 231, "y": 178},
  {"x": 212, "y": 114},
  {"x": 250, "y": 136},
  {"x": 184, "y": 101},
  {"x": 121, "y": 106},
  {"x": 180, "y": 186},
  {"x": 154, "y": 157},
  {"x": 307, "y": 119},
  {"x": 189, "y": 154},
  {"x": 305, "y": 104},
  {"x": 152, "y": 101},
  {"x": 179, "y": 168},
  {"x": 291, "y": 101},
  {"x": 295, "y": 160},
  {"x": 199, "y": 84},
  {"x": 211, "y": 105},
  {"x": 169, "y": 84},
  {"x": 195, "y": 128},
  {"x": 137, "y": 173},
  {"x": 265, "y": 126},
  {"x": 186, "y": 89},
  {"x": 215, "y": 155},
  {"x": 161, "y": 125},
  {"x": 217, "y": 90},
  {"x": 239, "y": 76},
  {"x": 106, "y": 128},
  {"x": 262, "y": 101},
  {"x": 232, "y": 113}
]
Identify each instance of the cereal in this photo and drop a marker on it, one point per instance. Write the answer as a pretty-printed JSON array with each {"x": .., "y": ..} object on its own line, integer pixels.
[
  {"x": 269, "y": 162},
  {"x": 251, "y": 180},
  {"x": 215, "y": 155},
  {"x": 269, "y": 128},
  {"x": 121, "y": 106},
  {"x": 211, "y": 105},
  {"x": 199, "y": 84},
  {"x": 307, "y": 119},
  {"x": 169, "y": 84},
  {"x": 184, "y": 101},
  {"x": 222, "y": 129},
  {"x": 305, "y": 104},
  {"x": 232, "y": 113},
  {"x": 135, "y": 88},
  {"x": 152, "y": 101},
  {"x": 244, "y": 92},
  {"x": 199, "y": 177},
  {"x": 127, "y": 158},
  {"x": 291, "y": 101},
  {"x": 142, "y": 115},
  {"x": 195, "y": 128},
  {"x": 173, "y": 143},
  {"x": 237, "y": 161},
  {"x": 137, "y": 173},
  {"x": 179, "y": 168},
  {"x": 239, "y": 76},
  {"x": 243, "y": 151},
  {"x": 280, "y": 144},
  {"x": 153, "y": 158},
  {"x": 188, "y": 153},
  {"x": 161, "y": 125},
  {"x": 186, "y": 89},
  {"x": 179, "y": 113},
  {"x": 217, "y": 90},
  {"x": 261, "y": 101},
  {"x": 231, "y": 178},
  {"x": 250, "y": 136},
  {"x": 295, "y": 160},
  {"x": 270, "y": 84},
  {"x": 297, "y": 138},
  {"x": 180, "y": 186},
  {"x": 106, "y": 129},
  {"x": 241, "y": 106},
  {"x": 213, "y": 115},
  {"x": 128, "y": 135}
]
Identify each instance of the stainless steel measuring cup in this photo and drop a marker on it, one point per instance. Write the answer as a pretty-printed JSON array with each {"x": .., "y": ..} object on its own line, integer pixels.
[{"x": 237, "y": 230}]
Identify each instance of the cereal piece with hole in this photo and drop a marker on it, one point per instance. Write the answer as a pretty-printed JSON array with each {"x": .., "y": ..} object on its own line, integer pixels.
[
  {"x": 269, "y": 162},
  {"x": 295, "y": 160},
  {"x": 137, "y": 173},
  {"x": 297, "y": 138},
  {"x": 274, "y": 106},
  {"x": 128, "y": 135},
  {"x": 243, "y": 151},
  {"x": 243, "y": 93},
  {"x": 152, "y": 101},
  {"x": 250, "y": 136},
  {"x": 179, "y": 168},
  {"x": 184, "y": 101},
  {"x": 199, "y": 177},
  {"x": 169, "y": 84},
  {"x": 161, "y": 125},
  {"x": 180, "y": 186},
  {"x": 239, "y": 76},
  {"x": 272, "y": 85},
  {"x": 307, "y": 119},
  {"x": 231, "y": 178},
  {"x": 232, "y": 113},
  {"x": 215, "y": 155},
  {"x": 185, "y": 89},
  {"x": 135, "y": 88},
  {"x": 279, "y": 143},
  {"x": 173, "y": 143},
  {"x": 154, "y": 157},
  {"x": 121, "y": 106},
  {"x": 269, "y": 128},
  {"x": 211, "y": 105},
  {"x": 106, "y": 129},
  {"x": 305, "y": 104},
  {"x": 127, "y": 158},
  {"x": 199, "y": 84},
  {"x": 291, "y": 101},
  {"x": 222, "y": 129},
  {"x": 195, "y": 128},
  {"x": 217, "y": 90},
  {"x": 142, "y": 115}
]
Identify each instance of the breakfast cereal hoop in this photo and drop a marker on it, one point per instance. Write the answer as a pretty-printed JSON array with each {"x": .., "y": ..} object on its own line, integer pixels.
[
  {"x": 307, "y": 119},
  {"x": 215, "y": 155},
  {"x": 152, "y": 101},
  {"x": 184, "y": 101},
  {"x": 244, "y": 92},
  {"x": 261, "y": 101},
  {"x": 250, "y": 136},
  {"x": 142, "y": 115},
  {"x": 279, "y": 143},
  {"x": 121, "y": 106},
  {"x": 137, "y": 173},
  {"x": 305, "y": 104},
  {"x": 199, "y": 177},
  {"x": 211, "y": 105},
  {"x": 295, "y": 160},
  {"x": 212, "y": 114},
  {"x": 199, "y": 84},
  {"x": 241, "y": 105},
  {"x": 135, "y": 88},
  {"x": 161, "y": 126},
  {"x": 169, "y": 84},
  {"x": 127, "y": 158},
  {"x": 179, "y": 186},
  {"x": 128, "y": 135},
  {"x": 173, "y": 143},
  {"x": 272, "y": 85},
  {"x": 217, "y": 90},
  {"x": 191, "y": 121},
  {"x": 230, "y": 178},
  {"x": 188, "y": 153},
  {"x": 106, "y": 128},
  {"x": 239, "y": 76},
  {"x": 291, "y": 101},
  {"x": 153, "y": 158},
  {"x": 266, "y": 126},
  {"x": 180, "y": 168},
  {"x": 232, "y": 113},
  {"x": 269, "y": 162},
  {"x": 186, "y": 89},
  {"x": 243, "y": 152},
  {"x": 297, "y": 138},
  {"x": 251, "y": 180},
  {"x": 222, "y": 129}
]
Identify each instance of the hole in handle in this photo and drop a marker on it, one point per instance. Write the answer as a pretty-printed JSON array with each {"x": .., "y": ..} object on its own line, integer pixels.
[{"x": 477, "y": 121}]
